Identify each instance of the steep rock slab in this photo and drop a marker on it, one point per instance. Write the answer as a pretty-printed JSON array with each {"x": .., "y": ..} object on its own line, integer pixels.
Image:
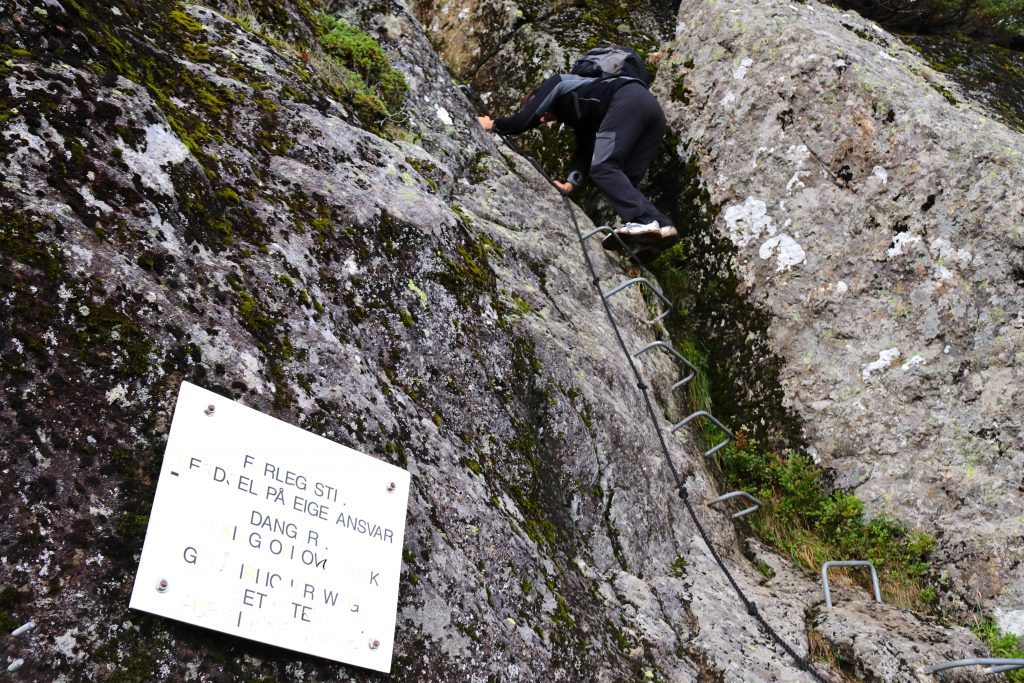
[
  {"x": 881, "y": 227},
  {"x": 186, "y": 199}
]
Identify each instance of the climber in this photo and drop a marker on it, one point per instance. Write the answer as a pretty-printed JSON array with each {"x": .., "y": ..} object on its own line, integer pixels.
[{"x": 618, "y": 125}]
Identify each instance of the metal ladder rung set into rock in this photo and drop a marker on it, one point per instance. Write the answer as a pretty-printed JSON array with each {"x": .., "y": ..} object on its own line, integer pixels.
[
  {"x": 654, "y": 290},
  {"x": 753, "y": 508},
  {"x": 848, "y": 563},
  {"x": 21, "y": 630},
  {"x": 678, "y": 356},
  {"x": 703, "y": 413},
  {"x": 998, "y": 665}
]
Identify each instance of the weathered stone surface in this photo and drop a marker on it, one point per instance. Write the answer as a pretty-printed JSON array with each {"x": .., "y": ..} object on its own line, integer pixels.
[
  {"x": 213, "y": 214},
  {"x": 880, "y": 226},
  {"x": 184, "y": 199},
  {"x": 875, "y": 642}
]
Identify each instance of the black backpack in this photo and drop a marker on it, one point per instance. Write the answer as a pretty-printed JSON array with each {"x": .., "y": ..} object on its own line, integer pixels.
[{"x": 611, "y": 61}]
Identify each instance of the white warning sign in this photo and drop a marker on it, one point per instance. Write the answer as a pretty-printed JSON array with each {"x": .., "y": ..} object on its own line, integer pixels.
[{"x": 262, "y": 530}]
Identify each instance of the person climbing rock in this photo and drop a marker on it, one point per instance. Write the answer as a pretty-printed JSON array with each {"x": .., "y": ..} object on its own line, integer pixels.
[{"x": 619, "y": 126}]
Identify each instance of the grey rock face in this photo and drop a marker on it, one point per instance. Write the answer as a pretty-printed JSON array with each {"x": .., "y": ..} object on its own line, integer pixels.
[
  {"x": 185, "y": 199},
  {"x": 881, "y": 227},
  {"x": 882, "y": 642}
]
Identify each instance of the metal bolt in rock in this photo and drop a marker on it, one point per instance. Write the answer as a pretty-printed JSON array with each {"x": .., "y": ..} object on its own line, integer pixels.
[{"x": 703, "y": 413}]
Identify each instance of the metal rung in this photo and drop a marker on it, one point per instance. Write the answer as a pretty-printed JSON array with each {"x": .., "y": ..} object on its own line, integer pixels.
[
  {"x": 671, "y": 349},
  {"x": 1005, "y": 668},
  {"x": 983, "y": 661},
  {"x": 743, "y": 494},
  {"x": 24, "y": 628},
  {"x": 703, "y": 413},
  {"x": 597, "y": 231},
  {"x": 644, "y": 281},
  {"x": 848, "y": 563}
]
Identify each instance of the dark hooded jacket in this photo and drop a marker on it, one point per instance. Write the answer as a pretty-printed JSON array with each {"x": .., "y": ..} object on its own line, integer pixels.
[{"x": 577, "y": 101}]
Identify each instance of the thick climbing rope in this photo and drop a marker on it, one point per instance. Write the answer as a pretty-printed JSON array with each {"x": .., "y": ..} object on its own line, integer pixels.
[{"x": 749, "y": 604}]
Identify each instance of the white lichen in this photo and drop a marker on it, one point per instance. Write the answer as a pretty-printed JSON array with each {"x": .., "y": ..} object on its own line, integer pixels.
[
  {"x": 444, "y": 116},
  {"x": 900, "y": 242},
  {"x": 117, "y": 394},
  {"x": 162, "y": 149},
  {"x": 1010, "y": 621},
  {"x": 741, "y": 70},
  {"x": 885, "y": 359},
  {"x": 789, "y": 252},
  {"x": 795, "y": 183},
  {"x": 746, "y": 222},
  {"x": 914, "y": 361},
  {"x": 797, "y": 154}
]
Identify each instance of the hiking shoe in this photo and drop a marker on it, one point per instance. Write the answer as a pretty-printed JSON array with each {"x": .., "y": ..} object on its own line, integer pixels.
[{"x": 634, "y": 230}]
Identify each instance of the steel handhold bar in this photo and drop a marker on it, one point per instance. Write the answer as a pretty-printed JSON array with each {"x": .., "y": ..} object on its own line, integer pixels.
[
  {"x": 753, "y": 508},
  {"x": 644, "y": 281},
  {"x": 671, "y": 349},
  {"x": 983, "y": 661},
  {"x": 1005, "y": 667},
  {"x": 703, "y": 413},
  {"x": 848, "y": 563}
]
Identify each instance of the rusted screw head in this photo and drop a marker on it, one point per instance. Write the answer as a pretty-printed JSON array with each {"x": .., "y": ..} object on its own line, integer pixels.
[
  {"x": 209, "y": 409},
  {"x": 374, "y": 644},
  {"x": 392, "y": 487},
  {"x": 161, "y": 586}
]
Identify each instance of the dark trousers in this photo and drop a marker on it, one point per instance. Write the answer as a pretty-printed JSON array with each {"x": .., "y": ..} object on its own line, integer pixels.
[{"x": 626, "y": 143}]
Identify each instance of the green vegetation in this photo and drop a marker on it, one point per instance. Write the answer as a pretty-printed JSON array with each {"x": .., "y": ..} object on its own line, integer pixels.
[
  {"x": 1005, "y": 645},
  {"x": 813, "y": 525},
  {"x": 375, "y": 89}
]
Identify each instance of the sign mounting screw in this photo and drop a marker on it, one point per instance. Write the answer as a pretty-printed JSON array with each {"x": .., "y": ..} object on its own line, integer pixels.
[
  {"x": 161, "y": 586},
  {"x": 209, "y": 409},
  {"x": 391, "y": 487},
  {"x": 374, "y": 644}
]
